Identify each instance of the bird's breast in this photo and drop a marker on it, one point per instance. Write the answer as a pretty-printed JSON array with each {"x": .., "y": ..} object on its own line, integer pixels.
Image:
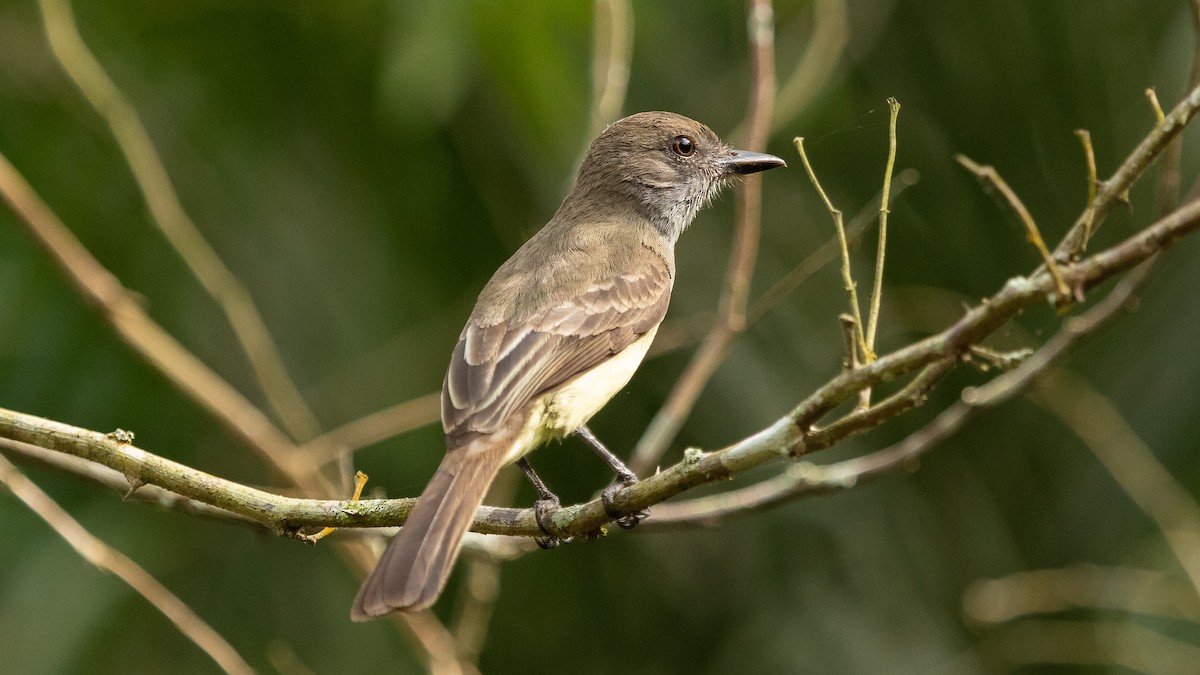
[{"x": 562, "y": 411}]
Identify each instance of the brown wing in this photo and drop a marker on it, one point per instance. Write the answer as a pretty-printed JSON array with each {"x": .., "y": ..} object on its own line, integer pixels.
[{"x": 497, "y": 369}]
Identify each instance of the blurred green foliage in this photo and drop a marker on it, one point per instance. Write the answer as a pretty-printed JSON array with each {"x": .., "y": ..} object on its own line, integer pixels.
[{"x": 364, "y": 167}]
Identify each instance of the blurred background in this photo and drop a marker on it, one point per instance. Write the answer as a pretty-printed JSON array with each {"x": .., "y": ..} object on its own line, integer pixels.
[{"x": 364, "y": 167}]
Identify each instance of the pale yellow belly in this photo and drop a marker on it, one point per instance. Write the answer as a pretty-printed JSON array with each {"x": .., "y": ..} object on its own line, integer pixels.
[{"x": 564, "y": 410}]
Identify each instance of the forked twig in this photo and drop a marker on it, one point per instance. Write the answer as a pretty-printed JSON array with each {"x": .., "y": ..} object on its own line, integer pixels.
[
  {"x": 884, "y": 203},
  {"x": 847, "y": 275},
  {"x": 1032, "y": 234}
]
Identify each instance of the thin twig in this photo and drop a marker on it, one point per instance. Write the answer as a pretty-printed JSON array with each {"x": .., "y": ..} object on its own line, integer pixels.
[
  {"x": 884, "y": 202},
  {"x": 823, "y": 51},
  {"x": 847, "y": 274},
  {"x": 823, "y": 255},
  {"x": 374, "y": 428},
  {"x": 81, "y": 65},
  {"x": 612, "y": 50},
  {"x": 1032, "y": 234},
  {"x": 108, "y": 559},
  {"x": 1089, "y": 156},
  {"x": 1133, "y": 168},
  {"x": 1120, "y": 589},
  {"x": 1132, "y": 464},
  {"x": 135, "y": 327},
  {"x": 731, "y": 313},
  {"x": 849, "y": 330},
  {"x": 1169, "y": 179},
  {"x": 760, "y": 29},
  {"x": 791, "y": 435},
  {"x": 1152, "y": 96}
]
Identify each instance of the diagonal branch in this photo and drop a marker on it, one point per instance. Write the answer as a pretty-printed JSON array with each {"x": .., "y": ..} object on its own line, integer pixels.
[
  {"x": 789, "y": 436},
  {"x": 137, "y": 329},
  {"x": 1134, "y": 166},
  {"x": 1130, "y": 462},
  {"x": 1032, "y": 233},
  {"x": 96, "y": 552},
  {"x": 731, "y": 321},
  {"x": 219, "y": 281},
  {"x": 191, "y": 376}
]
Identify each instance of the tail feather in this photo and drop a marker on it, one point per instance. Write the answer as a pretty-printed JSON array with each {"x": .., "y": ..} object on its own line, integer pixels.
[{"x": 414, "y": 568}]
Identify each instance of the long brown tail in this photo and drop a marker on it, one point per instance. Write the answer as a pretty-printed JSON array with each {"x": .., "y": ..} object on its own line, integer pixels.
[{"x": 413, "y": 570}]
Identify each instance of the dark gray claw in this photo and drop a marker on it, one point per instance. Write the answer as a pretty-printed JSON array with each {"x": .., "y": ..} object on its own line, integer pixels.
[
  {"x": 547, "y": 502},
  {"x": 542, "y": 509},
  {"x": 624, "y": 521},
  {"x": 625, "y": 478}
]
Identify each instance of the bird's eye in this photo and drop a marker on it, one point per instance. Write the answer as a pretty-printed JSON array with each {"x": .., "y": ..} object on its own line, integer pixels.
[{"x": 683, "y": 146}]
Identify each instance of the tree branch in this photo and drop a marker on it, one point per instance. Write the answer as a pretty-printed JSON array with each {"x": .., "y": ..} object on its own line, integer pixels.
[
  {"x": 792, "y": 435},
  {"x": 731, "y": 313},
  {"x": 150, "y": 173},
  {"x": 103, "y": 556}
]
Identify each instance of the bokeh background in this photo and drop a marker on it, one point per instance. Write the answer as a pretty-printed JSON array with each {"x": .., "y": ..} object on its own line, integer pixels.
[{"x": 364, "y": 167}]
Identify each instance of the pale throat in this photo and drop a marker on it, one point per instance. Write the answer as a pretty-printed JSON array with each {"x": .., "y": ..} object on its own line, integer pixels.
[{"x": 674, "y": 206}]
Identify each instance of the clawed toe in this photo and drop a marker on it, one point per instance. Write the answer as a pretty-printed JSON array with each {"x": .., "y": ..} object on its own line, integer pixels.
[
  {"x": 625, "y": 521},
  {"x": 542, "y": 509}
]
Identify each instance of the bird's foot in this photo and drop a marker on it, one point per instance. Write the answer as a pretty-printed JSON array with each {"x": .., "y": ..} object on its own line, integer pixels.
[
  {"x": 626, "y": 521},
  {"x": 542, "y": 509}
]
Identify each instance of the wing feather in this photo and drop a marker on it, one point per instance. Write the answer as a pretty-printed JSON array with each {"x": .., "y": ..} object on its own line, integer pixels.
[{"x": 497, "y": 369}]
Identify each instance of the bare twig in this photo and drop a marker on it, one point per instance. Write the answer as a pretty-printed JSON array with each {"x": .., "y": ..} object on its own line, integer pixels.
[
  {"x": 1089, "y": 156},
  {"x": 1152, "y": 96},
  {"x": 32, "y": 455},
  {"x": 986, "y": 358},
  {"x": 1096, "y": 421},
  {"x": 1167, "y": 193},
  {"x": 884, "y": 202},
  {"x": 828, "y": 38},
  {"x": 731, "y": 314},
  {"x": 760, "y": 28},
  {"x": 1032, "y": 234},
  {"x": 131, "y": 323},
  {"x": 137, "y": 329},
  {"x": 612, "y": 48},
  {"x": 791, "y": 435},
  {"x": 847, "y": 274},
  {"x": 849, "y": 330},
  {"x": 1133, "y": 168},
  {"x": 88, "y": 74},
  {"x": 1123, "y": 589},
  {"x": 823, "y": 255},
  {"x": 374, "y": 428},
  {"x": 108, "y": 559}
]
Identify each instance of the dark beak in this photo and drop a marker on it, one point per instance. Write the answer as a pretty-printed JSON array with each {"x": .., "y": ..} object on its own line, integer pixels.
[{"x": 743, "y": 162}]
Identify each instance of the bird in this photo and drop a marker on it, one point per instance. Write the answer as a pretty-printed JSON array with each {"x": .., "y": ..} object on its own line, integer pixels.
[{"x": 558, "y": 330}]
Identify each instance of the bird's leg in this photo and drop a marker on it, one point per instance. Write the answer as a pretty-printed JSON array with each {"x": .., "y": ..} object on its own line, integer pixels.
[
  {"x": 625, "y": 478},
  {"x": 547, "y": 502}
]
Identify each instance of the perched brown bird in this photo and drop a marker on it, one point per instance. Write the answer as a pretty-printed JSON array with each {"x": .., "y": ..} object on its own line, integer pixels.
[{"x": 557, "y": 332}]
